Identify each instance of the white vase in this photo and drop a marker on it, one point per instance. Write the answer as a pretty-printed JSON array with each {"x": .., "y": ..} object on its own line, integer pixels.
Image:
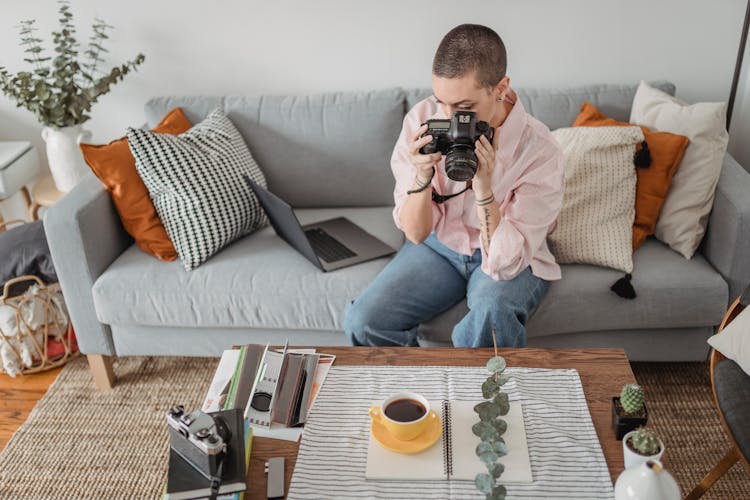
[
  {"x": 64, "y": 156},
  {"x": 632, "y": 458},
  {"x": 648, "y": 481}
]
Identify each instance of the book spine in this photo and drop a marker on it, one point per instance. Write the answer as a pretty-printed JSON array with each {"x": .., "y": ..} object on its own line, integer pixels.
[
  {"x": 232, "y": 393},
  {"x": 447, "y": 440}
]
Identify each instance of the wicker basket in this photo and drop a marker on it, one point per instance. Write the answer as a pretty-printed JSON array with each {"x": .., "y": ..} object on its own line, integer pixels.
[{"x": 55, "y": 323}]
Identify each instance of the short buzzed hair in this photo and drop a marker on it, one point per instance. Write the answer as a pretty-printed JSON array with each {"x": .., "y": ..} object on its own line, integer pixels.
[{"x": 471, "y": 47}]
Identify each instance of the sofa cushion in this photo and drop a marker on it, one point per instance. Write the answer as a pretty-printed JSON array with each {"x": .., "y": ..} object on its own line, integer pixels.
[
  {"x": 196, "y": 181},
  {"x": 733, "y": 393},
  {"x": 315, "y": 150},
  {"x": 684, "y": 215},
  {"x": 114, "y": 165},
  {"x": 734, "y": 340},
  {"x": 672, "y": 293},
  {"x": 559, "y": 107},
  {"x": 232, "y": 289},
  {"x": 196, "y": 108},
  {"x": 666, "y": 151},
  {"x": 595, "y": 225}
]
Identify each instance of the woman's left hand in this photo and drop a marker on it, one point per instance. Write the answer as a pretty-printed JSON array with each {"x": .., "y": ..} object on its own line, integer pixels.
[{"x": 485, "y": 152}]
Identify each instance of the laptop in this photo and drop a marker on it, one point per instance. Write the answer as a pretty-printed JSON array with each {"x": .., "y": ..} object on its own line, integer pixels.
[{"x": 330, "y": 244}]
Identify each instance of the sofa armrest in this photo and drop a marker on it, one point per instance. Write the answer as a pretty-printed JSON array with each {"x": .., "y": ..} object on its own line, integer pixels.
[
  {"x": 727, "y": 241},
  {"x": 85, "y": 236}
]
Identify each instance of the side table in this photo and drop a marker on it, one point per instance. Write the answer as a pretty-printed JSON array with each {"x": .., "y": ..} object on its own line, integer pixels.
[
  {"x": 27, "y": 200},
  {"x": 44, "y": 194},
  {"x": 19, "y": 164}
]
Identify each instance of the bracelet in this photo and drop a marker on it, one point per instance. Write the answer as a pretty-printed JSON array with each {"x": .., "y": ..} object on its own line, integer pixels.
[
  {"x": 422, "y": 186},
  {"x": 485, "y": 201}
]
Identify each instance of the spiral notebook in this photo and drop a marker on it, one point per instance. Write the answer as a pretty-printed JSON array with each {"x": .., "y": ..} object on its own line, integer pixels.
[{"x": 453, "y": 457}]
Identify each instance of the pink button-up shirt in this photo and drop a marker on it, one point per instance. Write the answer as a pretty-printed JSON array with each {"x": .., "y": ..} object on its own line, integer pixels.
[{"x": 527, "y": 182}]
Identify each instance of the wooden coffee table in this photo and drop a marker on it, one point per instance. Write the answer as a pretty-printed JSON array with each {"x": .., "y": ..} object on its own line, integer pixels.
[{"x": 603, "y": 372}]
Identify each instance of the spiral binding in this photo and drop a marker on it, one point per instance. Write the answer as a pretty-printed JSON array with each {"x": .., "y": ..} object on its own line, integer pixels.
[{"x": 447, "y": 440}]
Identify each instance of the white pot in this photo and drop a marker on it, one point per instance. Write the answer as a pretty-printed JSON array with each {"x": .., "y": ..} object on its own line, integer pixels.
[
  {"x": 648, "y": 481},
  {"x": 632, "y": 458},
  {"x": 64, "y": 156}
]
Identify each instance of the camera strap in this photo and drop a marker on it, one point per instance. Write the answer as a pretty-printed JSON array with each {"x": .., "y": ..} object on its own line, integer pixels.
[
  {"x": 216, "y": 480},
  {"x": 442, "y": 198}
]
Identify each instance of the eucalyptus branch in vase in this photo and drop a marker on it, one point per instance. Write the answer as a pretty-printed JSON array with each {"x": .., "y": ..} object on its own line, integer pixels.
[
  {"x": 61, "y": 94},
  {"x": 61, "y": 90},
  {"x": 491, "y": 427}
]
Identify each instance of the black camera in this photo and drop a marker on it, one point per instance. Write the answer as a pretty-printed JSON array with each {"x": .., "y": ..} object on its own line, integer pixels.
[{"x": 455, "y": 138}]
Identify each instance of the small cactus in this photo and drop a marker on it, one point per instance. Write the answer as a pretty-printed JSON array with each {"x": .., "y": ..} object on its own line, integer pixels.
[
  {"x": 645, "y": 441},
  {"x": 631, "y": 398}
]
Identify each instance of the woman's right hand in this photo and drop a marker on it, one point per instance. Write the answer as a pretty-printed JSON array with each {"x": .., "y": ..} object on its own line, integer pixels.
[{"x": 423, "y": 163}]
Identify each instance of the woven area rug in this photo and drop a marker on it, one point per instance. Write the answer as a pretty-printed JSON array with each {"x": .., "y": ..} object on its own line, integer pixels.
[
  {"x": 681, "y": 410},
  {"x": 83, "y": 443},
  {"x": 80, "y": 442}
]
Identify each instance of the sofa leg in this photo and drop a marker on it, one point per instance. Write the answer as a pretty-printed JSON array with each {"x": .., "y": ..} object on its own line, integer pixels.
[{"x": 101, "y": 370}]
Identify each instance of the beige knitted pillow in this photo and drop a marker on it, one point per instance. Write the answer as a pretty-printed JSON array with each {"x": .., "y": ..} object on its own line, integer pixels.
[{"x": 595, "y": 225}]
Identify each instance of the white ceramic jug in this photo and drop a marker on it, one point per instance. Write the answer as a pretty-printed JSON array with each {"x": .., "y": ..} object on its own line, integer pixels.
[
  {"x": 648, "y": 481},
  {"x": 64, "y": 156}
]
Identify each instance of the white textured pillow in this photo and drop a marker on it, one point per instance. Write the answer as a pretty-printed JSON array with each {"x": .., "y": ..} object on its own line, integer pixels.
[
  {"x": 196, "y": 182},
  {"x": 734, "y": 340},
  {"x": 595, "y": 225},
  {"x": 684, "y": 215}
]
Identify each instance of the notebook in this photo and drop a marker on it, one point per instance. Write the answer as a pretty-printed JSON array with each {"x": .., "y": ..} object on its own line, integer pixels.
[
  {"x": 295, "y": 385},
  {"x": 453, "y": 456}
]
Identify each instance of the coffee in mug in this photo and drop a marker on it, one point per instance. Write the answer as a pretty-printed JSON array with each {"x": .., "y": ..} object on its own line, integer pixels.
[
  {"x": 405, "y": 415},
  {"x": 405, "y": 410}
]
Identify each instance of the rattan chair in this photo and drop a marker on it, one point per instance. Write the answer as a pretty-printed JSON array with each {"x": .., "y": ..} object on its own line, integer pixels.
[{"x": 731, "y": 389}]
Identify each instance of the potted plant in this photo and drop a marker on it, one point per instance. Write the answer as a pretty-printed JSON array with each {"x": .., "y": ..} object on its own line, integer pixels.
[
  {"x": 491, "y": 428},
  {"x": 61, "y": 94},
  {"x": 628, "y": 410},
  {"x": 641, "y": 445}
]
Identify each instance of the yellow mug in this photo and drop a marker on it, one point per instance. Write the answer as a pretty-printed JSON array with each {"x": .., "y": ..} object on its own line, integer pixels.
[{"x": 405, "y": 415}]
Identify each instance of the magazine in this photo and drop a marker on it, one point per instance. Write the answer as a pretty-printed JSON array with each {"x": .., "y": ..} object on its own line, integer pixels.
[{"x": 274, "y": 388}]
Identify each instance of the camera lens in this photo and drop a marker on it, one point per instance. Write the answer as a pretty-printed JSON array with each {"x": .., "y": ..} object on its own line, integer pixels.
[
  {"x": 460, "y": 163},
  {"x": 261, "y": 401}
]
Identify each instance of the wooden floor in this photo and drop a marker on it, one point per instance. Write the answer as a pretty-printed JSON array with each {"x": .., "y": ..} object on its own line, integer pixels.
[{"x": 18, "y": 396}]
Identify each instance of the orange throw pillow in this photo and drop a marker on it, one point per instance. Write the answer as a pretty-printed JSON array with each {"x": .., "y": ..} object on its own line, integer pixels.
[
  {"x": 653, "y": 181},
  {"x": 114, "y": 165}
]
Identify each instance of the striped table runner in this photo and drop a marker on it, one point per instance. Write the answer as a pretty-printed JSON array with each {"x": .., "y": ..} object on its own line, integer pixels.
[{"x": 566, "y": 457}]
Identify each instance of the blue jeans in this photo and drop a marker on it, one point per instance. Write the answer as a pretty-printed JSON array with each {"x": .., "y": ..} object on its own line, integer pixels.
[{"x": 427, "y": 279}]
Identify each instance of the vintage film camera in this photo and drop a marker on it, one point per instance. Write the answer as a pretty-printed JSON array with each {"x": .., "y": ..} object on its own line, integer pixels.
[
  {"x": 455, "y": 138},
  {"x": 201, "y": 439}
]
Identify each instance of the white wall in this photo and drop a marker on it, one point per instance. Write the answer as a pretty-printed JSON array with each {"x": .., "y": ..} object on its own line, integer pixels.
[
  {"x": 292, "y": 46},
  {"x": 739, "y": 130}
]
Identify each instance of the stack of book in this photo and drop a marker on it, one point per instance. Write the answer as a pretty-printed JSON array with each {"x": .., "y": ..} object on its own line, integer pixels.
[
  {"x": 274, "y": 388},
  {"x": 184, "y": 481},
  {"x": 268, "y": 393}
]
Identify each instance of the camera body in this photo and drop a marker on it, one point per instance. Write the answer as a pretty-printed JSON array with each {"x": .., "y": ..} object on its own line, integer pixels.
[
  {"x": 199, "y": 438},
  {"x": 455, "y": 138}
]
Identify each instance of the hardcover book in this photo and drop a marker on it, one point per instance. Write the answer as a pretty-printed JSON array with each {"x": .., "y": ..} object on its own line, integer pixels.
[{"x": 186, "y": 482}]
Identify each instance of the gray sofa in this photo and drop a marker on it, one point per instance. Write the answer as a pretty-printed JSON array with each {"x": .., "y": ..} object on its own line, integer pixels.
[{"x": 328, "y": 155}]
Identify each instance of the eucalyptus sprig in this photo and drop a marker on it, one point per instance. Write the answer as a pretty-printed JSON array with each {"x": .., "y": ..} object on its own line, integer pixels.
[
  {"x": 491, "y": 428},
  {"x": 62, "y": 94}
]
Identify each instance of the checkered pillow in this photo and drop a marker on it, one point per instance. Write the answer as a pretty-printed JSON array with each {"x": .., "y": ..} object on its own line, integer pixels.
[{"x": 195, "y": 180}]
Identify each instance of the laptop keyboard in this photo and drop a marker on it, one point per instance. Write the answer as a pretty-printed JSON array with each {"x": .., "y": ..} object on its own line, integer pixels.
[{"x": 327, "y": 248}]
